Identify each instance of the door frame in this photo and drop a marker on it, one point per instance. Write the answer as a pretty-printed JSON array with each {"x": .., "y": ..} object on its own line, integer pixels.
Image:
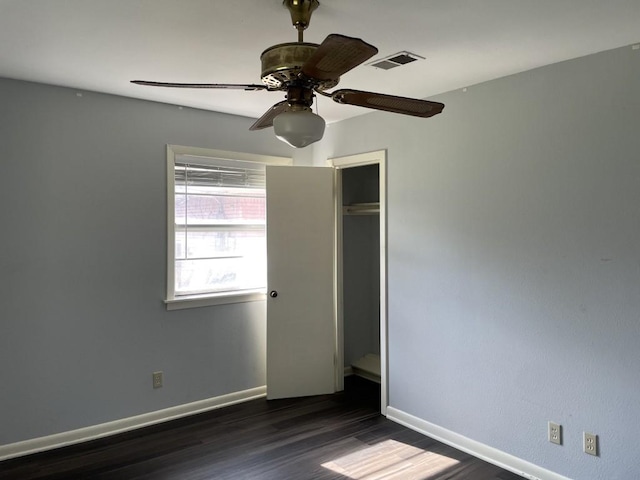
[{"x": 378, "y": 157}]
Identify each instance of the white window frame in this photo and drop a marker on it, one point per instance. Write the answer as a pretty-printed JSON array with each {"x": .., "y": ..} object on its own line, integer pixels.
[{"x": 207, "y": 299}]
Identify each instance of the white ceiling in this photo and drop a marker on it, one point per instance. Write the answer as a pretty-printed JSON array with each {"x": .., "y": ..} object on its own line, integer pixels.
[{"x": 102, "y": 44}]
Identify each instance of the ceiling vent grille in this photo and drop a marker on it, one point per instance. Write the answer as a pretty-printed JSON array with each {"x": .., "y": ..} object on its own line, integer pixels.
[{"x": 396, "y": 60}]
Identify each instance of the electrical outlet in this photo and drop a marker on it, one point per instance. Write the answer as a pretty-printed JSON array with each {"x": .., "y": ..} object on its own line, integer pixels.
[
  {"x": 555, "y": 433},
  {"x": 157, "y": 379},
  {"x": 590, "y": 444}
]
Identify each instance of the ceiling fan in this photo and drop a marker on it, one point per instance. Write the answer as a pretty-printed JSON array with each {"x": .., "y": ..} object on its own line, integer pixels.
[{"x": 302, "y": 68}]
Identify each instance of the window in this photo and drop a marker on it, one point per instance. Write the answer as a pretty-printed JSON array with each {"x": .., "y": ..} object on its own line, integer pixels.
[{"x": 216, "y": 226}]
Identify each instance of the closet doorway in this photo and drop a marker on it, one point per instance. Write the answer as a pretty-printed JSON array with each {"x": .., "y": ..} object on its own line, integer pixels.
[{"x": 361, "y": 257}]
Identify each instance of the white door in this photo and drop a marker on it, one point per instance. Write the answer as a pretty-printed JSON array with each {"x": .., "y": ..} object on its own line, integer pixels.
[{"x": 301, "y": 320}]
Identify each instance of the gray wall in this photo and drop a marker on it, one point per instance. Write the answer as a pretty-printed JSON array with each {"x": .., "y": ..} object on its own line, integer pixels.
[
  {"x": 514, "y": 260},
  {"x": 82, "y": 262}
]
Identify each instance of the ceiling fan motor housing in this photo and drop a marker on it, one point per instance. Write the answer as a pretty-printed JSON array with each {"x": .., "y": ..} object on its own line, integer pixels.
[{"x": 282, "y": 63}]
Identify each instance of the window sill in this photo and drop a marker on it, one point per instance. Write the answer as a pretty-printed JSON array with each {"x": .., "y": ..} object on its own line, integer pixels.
[{"x": 194, "y": 301}]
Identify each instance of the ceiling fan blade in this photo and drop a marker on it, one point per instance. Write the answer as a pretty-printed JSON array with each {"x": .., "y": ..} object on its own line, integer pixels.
[
  {"x": 266, "y": 120},
  {"x": 228, "y": 86},
  {"x": 388, "y": 103},
  {"x": 337, "y": 55}
]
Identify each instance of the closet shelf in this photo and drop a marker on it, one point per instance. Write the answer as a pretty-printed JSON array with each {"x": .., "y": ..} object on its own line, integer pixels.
[
  {"x": 368, "y": 367},
  {"x": 372, "y": 208}
]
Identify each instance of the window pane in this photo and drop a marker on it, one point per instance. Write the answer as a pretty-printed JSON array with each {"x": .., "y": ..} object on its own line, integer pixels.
[
  {"x": 180, "y": 219},
  {"x": 220, "y": 275},
  {"x": 221, "y": 243},
  {"x": 212, "y": 209}
]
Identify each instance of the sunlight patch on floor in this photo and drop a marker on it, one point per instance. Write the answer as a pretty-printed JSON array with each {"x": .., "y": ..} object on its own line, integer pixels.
[{"x": 391, "y": 460}]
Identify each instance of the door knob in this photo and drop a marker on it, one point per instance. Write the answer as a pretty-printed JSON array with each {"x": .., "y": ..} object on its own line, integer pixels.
[{"x": 273, "y": 294}]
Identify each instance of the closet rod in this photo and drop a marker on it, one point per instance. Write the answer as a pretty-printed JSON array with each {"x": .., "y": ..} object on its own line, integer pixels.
[{"x": 372, "y": 208}]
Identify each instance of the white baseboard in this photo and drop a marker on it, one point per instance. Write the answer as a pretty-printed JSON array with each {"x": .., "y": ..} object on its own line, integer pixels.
[
  {"x": 123, "y": 425},
  {"x": 472, "y": 447}
]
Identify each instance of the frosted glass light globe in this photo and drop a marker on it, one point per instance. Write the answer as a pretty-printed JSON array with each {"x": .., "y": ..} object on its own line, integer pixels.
[{"x": 299, "y": 128}]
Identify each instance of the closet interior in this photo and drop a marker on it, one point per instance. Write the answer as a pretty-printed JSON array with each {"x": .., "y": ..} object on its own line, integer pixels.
[{"x": 361, "y": 270}]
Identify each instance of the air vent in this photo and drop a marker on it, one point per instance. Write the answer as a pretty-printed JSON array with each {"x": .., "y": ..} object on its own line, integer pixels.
[{"x": 396, "y": 60}]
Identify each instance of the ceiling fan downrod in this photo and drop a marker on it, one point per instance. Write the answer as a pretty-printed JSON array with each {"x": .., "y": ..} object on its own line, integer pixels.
[{"x": 301, "y": 11}]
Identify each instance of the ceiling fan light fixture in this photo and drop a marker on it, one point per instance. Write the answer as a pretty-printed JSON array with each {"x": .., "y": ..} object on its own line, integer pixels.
[{"x": 299, "y": 127}]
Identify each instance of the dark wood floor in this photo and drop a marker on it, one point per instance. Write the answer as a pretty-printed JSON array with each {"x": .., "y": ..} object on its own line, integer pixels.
[{"x": 335, "y": 437}]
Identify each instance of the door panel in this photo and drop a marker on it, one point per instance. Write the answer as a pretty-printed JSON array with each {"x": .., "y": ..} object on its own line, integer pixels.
[{"x": 301, "y": 325}]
